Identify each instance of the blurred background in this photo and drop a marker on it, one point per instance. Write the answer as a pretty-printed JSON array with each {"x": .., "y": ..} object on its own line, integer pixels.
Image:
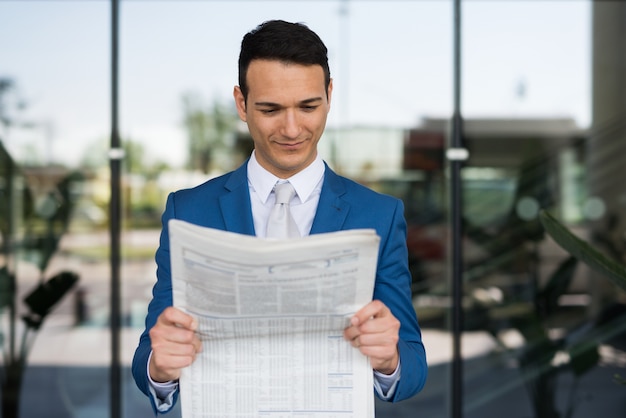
[{"x": 543, "y": 101}]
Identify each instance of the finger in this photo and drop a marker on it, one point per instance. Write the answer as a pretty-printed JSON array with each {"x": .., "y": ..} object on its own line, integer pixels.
[
  {"x": 168, "y": 358},
  {"x": 166, "y": 367},
  {"x": 174, "y": 325},
  {"x": 387, "y": 340},
  {"x": 166, "y": 334},
  {"x": 388, "y": 324},
  {"x": 174, "y": 349},
  {"x": 197, "y": 344},
  {"x": 174, "y": 316},
  {"x": 374, "y": 309},
  {"x": 376, "y": 352},
  {"x": 351, "y": 335},
  {"x": 351, "y": 332}
]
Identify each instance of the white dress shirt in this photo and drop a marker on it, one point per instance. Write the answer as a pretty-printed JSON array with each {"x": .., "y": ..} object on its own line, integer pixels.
[{"x": 307, "y": 184}]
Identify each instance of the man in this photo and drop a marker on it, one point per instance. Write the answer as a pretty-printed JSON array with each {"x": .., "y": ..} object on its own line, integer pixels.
[{"x": 284, "y": 96}]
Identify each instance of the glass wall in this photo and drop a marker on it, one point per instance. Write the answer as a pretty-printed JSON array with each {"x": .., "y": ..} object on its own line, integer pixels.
[{"x": 543, "y": 108}]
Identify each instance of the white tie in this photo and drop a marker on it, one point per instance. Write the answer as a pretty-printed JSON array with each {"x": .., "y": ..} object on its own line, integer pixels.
[{"x": 280, "y": 224}]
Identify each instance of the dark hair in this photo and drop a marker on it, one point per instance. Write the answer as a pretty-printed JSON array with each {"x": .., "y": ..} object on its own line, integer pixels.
[{"x": 282, "y": 41}]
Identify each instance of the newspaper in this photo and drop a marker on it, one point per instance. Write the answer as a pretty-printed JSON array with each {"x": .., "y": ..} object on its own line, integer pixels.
[{"x": 271, "y": 315}]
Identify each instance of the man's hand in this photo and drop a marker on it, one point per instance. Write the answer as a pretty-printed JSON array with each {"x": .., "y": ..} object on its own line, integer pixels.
[
  {"x": 374, "y": 331},
  {"x": 174, "y": 344}
]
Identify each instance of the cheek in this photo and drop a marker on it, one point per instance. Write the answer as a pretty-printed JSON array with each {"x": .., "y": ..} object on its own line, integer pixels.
[
  {"x": 318, "y": 124},
  {"x": 263, "y": 127},
  {"x": 311, "y": 122}
]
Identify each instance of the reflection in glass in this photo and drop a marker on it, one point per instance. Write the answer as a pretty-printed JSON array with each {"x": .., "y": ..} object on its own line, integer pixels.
[{"x": 536, "y": 130}]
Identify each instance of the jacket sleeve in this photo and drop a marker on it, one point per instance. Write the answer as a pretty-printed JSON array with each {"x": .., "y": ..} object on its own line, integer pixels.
[
  {"x": 161, "y": 298},
  {"x": 393, "y": 288}
]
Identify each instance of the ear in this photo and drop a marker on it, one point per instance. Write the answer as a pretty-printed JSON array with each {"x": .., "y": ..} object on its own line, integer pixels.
[
  {"x": 330, "y": 91},
  {"x": 240, "y": 102}
]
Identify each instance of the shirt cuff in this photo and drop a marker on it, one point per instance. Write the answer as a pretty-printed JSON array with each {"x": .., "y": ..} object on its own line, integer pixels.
[
  {"x": 162, "y": 393},
  {"x": 385, "y": 384}
]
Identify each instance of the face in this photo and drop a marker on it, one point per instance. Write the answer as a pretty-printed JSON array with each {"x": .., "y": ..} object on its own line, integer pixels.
[{"x": 286, "y": 113}]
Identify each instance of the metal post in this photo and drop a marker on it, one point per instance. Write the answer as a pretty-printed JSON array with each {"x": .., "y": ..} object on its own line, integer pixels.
[
  {"x": 456, "y": 154},
  {"x": 115, "y": 156}
]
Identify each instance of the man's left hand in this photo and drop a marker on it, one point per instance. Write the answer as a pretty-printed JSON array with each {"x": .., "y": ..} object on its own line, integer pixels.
[{"x": 374, "y": 331}]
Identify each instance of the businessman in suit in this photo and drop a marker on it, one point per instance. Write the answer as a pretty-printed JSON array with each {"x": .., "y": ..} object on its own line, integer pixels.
[{"x": 284, "y": 96}]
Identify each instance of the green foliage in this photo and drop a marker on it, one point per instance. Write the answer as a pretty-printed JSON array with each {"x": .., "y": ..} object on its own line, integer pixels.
[
  {"x": 583, "y": 251},
  {"x": 48, "y": 221},
  {"x": 513, "y": 248},
  {"x": 210, "y": 132},
  {"x": 31, "y": 225}
]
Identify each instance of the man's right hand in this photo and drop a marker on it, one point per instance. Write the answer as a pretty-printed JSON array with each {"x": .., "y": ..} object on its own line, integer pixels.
[{"x": 174, "y": 344}]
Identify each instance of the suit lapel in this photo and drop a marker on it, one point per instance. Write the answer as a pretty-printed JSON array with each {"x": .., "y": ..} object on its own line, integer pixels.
[
  {"x": 331, "y": 214},
  {"x": 331, "y": 209},
  {"x": 235, "y": 205}
]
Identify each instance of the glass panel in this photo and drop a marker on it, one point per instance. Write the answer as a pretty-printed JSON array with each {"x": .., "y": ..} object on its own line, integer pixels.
[
  {"x": 391, "y": 64},
  {"x": 541, "y": 335},
  {"x": 54, "y": 103}
]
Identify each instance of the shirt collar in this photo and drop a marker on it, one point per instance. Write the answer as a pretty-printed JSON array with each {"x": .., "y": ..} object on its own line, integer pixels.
[{"x": 303, "y": 182}]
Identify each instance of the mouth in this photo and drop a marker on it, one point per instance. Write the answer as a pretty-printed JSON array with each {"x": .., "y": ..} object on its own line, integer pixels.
[{"x": 290, "y": 145}]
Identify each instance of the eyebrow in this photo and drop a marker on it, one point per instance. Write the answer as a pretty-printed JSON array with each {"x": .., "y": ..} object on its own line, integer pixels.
[{"x": 303, "y": 102}]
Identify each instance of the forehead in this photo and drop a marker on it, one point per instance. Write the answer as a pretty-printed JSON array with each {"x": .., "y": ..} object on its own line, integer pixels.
[{"x": 276, "y": 78}]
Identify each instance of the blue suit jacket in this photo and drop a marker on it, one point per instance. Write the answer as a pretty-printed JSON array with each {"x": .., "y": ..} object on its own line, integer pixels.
[{"x": 224, "y": 203}]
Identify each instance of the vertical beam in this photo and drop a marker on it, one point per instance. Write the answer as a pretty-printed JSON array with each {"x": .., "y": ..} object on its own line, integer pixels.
[
  {"x": 455, "y": 155},
  {"x": 115, "y": 156},
  {"x": 606, "y": 145}
]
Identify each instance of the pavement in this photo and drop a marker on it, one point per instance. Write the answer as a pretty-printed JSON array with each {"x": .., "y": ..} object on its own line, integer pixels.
[
  {"x": 68, "y": 377},
  {"x": 490, "y": 392},
  {"x": 68, "y": 373}
]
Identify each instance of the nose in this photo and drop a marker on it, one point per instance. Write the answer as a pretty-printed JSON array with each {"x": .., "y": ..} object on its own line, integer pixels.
[{"x": 291, "y": 124}]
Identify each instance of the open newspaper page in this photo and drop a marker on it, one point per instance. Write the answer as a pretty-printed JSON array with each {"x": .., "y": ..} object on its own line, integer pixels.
[{"x": 271, "y": 316}]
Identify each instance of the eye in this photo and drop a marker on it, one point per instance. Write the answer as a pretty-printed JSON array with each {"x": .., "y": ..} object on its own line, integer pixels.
[
  {"x": 268, "y": 111},
  {"x": 308, "y": 108}
]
